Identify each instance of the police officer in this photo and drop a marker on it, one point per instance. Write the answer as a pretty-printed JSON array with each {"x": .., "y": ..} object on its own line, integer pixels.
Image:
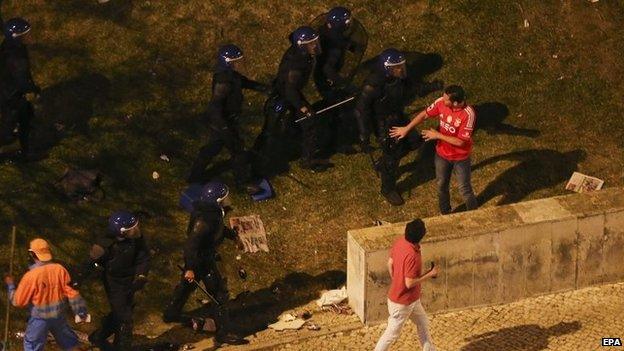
[
  {"x": 123, "y": 258},
  {"x": 337, "y": 35},
  {"x": 380, "y": 105},
  {"x": 16, "y": 85},
  {"x": 289, "y": 103},
  {"x": 223, "y": 114},
  {"x": 206, "y": 231}
]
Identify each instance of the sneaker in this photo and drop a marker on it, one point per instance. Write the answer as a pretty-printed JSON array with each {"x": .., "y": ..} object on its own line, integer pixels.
[{"x": 393, "y": 197}]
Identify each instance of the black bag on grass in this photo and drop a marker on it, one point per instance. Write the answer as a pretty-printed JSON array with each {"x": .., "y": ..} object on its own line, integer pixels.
[{"x": 80, "y": 185}]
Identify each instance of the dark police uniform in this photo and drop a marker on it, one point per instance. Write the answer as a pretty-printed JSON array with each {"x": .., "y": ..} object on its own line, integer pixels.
[
  {"x": 125, "y": 265},
  {"x": 206, "y": 232},
  {"x": 15, "y": 82},
  {"x": 380, "y": 106},
  {"x": 293, "y": 75},
  {"x": 222, "y": 117}
]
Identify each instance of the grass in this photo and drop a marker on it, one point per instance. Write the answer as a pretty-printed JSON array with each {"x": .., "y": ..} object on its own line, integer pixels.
[{"x": 129, "y": 79}]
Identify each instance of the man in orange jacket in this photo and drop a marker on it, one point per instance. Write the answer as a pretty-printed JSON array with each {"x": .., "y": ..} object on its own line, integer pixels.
[{"x": 45, "y": 289}]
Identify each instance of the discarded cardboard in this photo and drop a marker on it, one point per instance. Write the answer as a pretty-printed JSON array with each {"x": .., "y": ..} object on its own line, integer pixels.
[{"x": 252, "y": 233}]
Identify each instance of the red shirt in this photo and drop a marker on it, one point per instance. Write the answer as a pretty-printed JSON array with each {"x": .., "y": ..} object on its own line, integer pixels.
[
  {"x": 406, "y": 263},
  {"x": 457, "y": 123}
]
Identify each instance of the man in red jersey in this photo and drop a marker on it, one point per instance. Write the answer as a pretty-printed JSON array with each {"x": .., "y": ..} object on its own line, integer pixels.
[
  {"x": 404, "y": 266},
  {"x": 454, "y": 143}
]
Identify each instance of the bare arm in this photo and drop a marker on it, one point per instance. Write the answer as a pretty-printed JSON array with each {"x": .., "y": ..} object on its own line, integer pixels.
[
  {"x": 412, "y": 282},
  {"x": 401, "y": 132},
  {"x": 432, "y": 134},
  {"x": 390, "y": 270}
]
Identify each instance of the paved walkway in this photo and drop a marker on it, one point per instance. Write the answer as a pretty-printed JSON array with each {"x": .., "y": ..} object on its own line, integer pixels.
[{"x": 575, "y": 320}]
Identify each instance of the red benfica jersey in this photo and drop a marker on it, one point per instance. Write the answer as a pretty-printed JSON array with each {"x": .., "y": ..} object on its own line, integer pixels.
[{"x": 457, "y": 123}]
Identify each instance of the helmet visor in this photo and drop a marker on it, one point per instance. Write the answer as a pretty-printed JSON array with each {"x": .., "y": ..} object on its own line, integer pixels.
[
  {"x": 312, "y": 47},
  {"x": 398, "y": 70},
  {"x": 133, "y": 232},
  {"x": 225, "y": 201}
]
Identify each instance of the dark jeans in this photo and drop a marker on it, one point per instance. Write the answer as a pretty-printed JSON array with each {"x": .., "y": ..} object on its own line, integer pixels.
[{"x": 444, "y": 168}]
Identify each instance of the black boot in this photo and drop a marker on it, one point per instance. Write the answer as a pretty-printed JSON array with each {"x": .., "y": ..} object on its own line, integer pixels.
[{"x": 393, "y": 197}]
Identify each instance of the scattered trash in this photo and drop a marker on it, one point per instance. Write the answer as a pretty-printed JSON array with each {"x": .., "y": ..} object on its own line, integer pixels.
[
  {"x": 555, "y": 56},
  {"x": 312, "y": 326},
  {"x": 304, "y": 315},
  {"x": 242, "y": 273},
  {"x": 155, "y": 175},
  {"x": 238, "y": 257},
  {"x": 164, "y": 158},
  {"x": 287, "y": 322},
  {"x": 283, "y": 208},
  {"x": 342, "y": 308},
  {"x": 332, "y": 297},
  {"x": 187, "y": 347},
  {"x": 379, "y": 222},
  {"x": 594, "y": 0},
  {"x": 403, "y": 38},
  {"x": 526, "y": 23},
  {"x": 582, "y": 183},
  {"x": 560, "y": 78}
]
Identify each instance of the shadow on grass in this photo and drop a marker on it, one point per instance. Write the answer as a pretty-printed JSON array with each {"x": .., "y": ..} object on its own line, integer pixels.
[
  {"x": 491, "y": 116},
  {"x": 119, "y": 12},
  {"x": 528, "y": 337},
  {"x": 536, "y": 169},
  {"x": 252, "y": 312}
]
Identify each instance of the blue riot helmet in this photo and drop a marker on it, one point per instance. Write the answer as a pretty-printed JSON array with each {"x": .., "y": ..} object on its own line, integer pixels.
[
  {"x": 392, "y": 62},
  {"x": 338, "y": 18},
  {"x": 124, "y": 224},
  {"x": 16, "y": 27},
  {"x": 215, "y": 193},
  {"x": 306, "y": 39},
  {"x": 229, "y": 56}
]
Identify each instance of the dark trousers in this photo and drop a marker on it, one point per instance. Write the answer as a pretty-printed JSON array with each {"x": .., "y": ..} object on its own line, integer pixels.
[
  {"x": 339, "y": 121},
  {"x": 119, "y": 321},
  {"x": 215, "y": 284},
  {"x": 279, "y": 122},
  {"x": 392, "y": 152},
  {"x": 226, "y": 137},
  {"x": 16, "y": 112},
  {"x": 444, "y": 168}
]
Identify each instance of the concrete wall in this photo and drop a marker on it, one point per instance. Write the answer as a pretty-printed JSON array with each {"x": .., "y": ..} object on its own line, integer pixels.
[{"x": 498, "y": 254}]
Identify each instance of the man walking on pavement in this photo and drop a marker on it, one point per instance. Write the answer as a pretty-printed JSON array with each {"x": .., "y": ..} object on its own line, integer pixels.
[
  {"x": 454, "y": 143},
  {"x": 405, "y": 266},
  {"x": 46, "y": 289}
]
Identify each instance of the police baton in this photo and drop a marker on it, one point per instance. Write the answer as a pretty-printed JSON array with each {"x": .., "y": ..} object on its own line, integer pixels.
[
  {"x": 201, "y": 288},
  {"x": 328, "y": 108}
]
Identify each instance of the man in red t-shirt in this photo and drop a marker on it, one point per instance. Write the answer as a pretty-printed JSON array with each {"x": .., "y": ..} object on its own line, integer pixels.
[
  {"x": 454, "y": 143},
  {"x": 404, "y": 266}
]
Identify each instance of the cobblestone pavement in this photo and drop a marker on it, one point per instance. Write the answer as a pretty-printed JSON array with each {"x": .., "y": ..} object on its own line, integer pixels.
[{"x": 575, "y": 320}]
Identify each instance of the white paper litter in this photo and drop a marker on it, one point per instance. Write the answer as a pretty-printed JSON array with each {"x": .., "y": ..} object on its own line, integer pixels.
[
  {"x": 287, "y": 322},
  {"x": 332, "y": 297},
  {"x": 164, "y": 157},
  {"x": 155, "y": 175}
]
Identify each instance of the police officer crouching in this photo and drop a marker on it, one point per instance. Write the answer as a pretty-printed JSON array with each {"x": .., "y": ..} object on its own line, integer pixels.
[
  {"x": 381, "y": 104},
  {"x": 206, "y": 231},
  {"x": 290, "y": 104},
  {"x": 223, "y": 115},
  {"x": 123, "y": 257},
  {"x": 16, "y": 85}
]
